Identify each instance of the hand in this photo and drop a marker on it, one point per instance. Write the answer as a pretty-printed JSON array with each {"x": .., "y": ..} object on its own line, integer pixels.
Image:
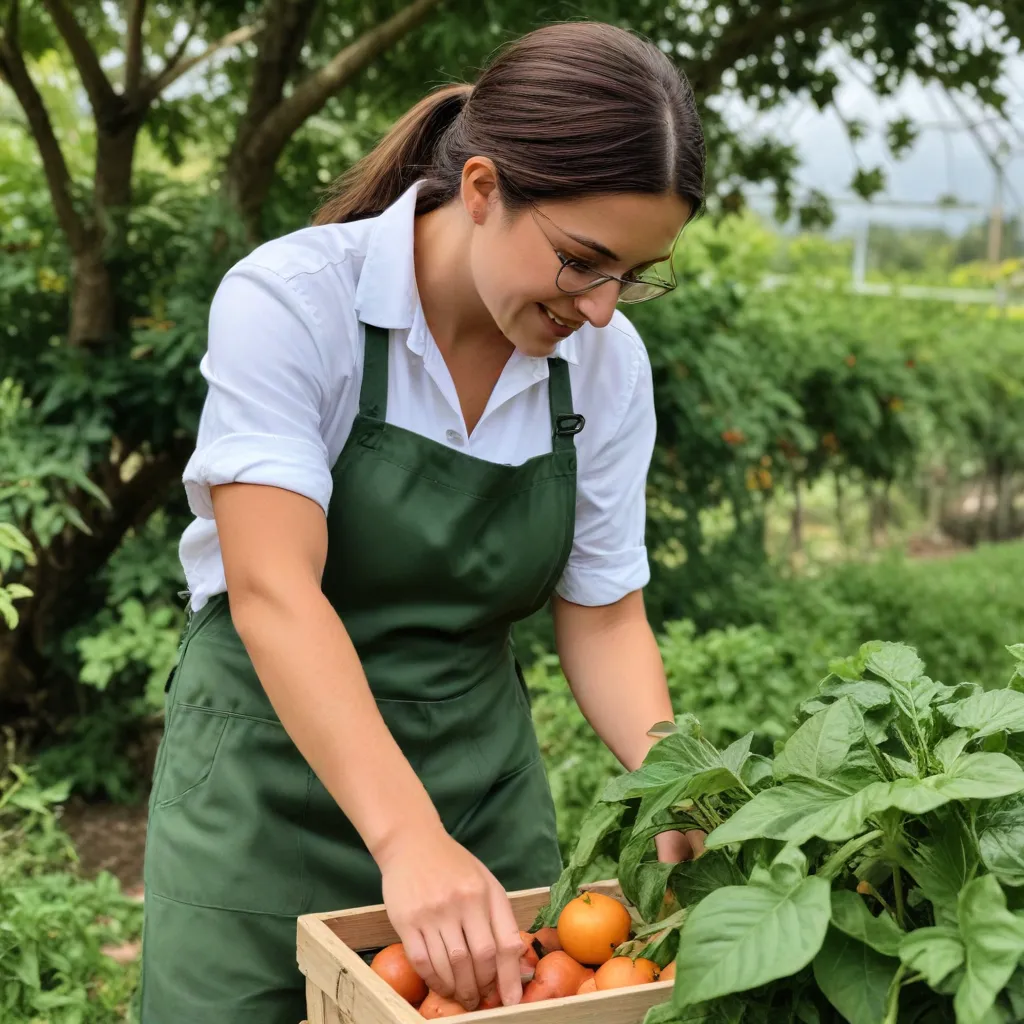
[
  {"x": 674, "y": 847},
  {"x": 453, "y": 917}
]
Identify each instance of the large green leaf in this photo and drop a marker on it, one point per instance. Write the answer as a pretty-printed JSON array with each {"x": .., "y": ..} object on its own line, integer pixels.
[
  {"x": 854, "y": 977},
  {"x": 798, "y": 810},
  {"x": 851, "y": 916},
  {"x": 646, "y": 778},
  {"x": 692, "y": 880},
  {"x": 942, "y": 864},
  {"x": 821, "y": 746},
  {"x": 741, "y": 937},
  {"x": 933, "y": 952},
  {"x": 993, "y": 939},
  {"x": 989, "y": 712},
  {"x": 1001, "y": 839},
  {"x": 897, "y": 664},
  {"x": 950, "y": 748}
]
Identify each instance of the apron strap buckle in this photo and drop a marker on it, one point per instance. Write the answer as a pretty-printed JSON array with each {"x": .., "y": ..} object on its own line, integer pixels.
[{"x": 568, "y": 424}]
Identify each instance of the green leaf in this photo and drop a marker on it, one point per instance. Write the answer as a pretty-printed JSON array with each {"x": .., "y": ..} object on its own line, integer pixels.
[
  {"x": 740, "y": 937},
  {"x": 854, "y": 978},
  {"x": 987, "y": 713},
  {"x": 949, "y": 749},
  {"x": 821, "y": 746},
  {"x": 993, "y": 939},
  {"x": 1000, "y": 829},
  {"x": 646, "y": 778},
  {"x": 942, "y": 864},
  {"x": 981, "y": 776},
  {"x": 865, "y": 693},
  {"x": 692, "y": 880},
  {"x": 851, "y": 916},
  {"x": 933, "y": 952},
  {"x": 897, "y": 664},
  {"x": 735, "y": 756}
]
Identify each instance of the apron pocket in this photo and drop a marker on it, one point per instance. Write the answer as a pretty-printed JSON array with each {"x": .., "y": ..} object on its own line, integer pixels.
[
  {"x": 190, "y": 747},
  {"x": 226, "y": 829}
]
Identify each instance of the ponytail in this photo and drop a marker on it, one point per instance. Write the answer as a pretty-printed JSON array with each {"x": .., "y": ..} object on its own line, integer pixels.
[{"x": 405, "y": 154}]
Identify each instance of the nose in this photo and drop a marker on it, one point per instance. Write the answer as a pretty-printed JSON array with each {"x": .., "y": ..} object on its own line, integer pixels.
[{"x": 598, "y": 305}]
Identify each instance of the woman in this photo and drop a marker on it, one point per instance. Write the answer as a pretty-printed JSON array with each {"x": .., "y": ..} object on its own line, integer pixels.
[{"x": 425, "y": 419}]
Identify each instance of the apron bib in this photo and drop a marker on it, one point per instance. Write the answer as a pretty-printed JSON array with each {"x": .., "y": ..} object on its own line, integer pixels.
[{"x": 432, "y": 555}]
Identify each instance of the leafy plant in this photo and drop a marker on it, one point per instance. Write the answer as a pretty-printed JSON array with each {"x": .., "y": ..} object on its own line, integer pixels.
[
  {"x": 869, "y": 872},
  {"x": 53, "y": 923}
]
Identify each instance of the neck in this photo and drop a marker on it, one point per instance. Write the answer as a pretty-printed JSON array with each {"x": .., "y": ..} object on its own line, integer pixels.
[{"x": 456, "y": 316}]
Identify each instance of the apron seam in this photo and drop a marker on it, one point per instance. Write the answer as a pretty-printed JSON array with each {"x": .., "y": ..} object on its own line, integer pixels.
[
  {"x": 231, "y": 714},
  {"x": 224, "y": 910}
]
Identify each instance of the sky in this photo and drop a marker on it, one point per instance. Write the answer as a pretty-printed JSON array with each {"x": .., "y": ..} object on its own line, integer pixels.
[{"x": 945, "y": 159}]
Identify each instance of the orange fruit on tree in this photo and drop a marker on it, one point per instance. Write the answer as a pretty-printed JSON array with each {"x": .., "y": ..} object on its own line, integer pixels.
[
  {"x": 668, "y": 973},
  {"x": 393, "y": 966},
  {"x": 622, "y": 971},
  {"x": 436, "y": 1006},
  {"x": 591, "y": 926}
]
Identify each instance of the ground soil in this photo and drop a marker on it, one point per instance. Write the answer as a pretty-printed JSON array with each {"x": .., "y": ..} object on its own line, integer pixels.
[{"x": 109, "y": 837}]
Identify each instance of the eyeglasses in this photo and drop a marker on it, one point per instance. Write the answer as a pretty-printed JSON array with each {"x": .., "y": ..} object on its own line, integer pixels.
[{"x": 576, "y": 276}]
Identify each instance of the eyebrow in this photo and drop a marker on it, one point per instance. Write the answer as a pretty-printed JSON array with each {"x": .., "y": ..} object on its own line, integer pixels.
[{"x": 605, "y": 251}]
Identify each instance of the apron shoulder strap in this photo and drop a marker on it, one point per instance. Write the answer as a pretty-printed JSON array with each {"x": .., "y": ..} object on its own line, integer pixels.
[
  {"x": 565, "y": 424},
  {"x": 373, "y": 392}
]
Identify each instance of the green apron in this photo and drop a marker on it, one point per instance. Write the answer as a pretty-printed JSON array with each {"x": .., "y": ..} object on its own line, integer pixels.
[{"x": 432, "y": 555}]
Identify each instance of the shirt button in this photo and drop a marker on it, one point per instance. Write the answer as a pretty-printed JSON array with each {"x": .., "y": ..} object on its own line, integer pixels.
[{"x": 453, "y": 437}]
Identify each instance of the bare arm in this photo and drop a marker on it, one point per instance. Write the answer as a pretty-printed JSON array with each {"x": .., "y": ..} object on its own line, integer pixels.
[
  {"x": 274, "y": 546},
  {"x": 614, "y": 668}
]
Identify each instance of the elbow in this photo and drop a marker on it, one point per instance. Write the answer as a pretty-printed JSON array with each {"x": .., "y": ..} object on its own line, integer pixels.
[{"x": 260, "y": 605}]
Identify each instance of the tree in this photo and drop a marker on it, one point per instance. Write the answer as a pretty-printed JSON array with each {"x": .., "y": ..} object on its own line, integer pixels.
[{"x": 105, "y": 289}]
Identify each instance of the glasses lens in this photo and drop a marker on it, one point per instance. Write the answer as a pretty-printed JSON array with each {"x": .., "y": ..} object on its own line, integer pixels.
[
  {"x": 642, "y": 291},
  {"x": 574, "y": 279}
]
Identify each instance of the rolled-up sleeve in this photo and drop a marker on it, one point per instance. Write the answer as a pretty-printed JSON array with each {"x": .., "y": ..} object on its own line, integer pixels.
[
  {"x": 608, "y": 559},
  {"x": 261, "y": 421}
]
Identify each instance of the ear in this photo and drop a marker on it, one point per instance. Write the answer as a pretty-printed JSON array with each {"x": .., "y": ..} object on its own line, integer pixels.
[{"x": 479, "y": 190}]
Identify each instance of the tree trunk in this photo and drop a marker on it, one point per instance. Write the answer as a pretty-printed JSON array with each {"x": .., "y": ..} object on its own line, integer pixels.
[{"x": 841, "y": 518}]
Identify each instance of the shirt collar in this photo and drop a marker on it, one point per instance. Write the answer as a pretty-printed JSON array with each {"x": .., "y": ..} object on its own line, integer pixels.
[{"x": 386, "y": 295}]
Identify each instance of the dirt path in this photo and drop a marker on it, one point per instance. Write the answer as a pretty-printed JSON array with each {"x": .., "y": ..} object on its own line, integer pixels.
[{"x": 109, "y": 837}]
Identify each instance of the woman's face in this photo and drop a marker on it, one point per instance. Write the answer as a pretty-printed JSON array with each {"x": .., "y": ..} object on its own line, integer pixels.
[{"x": 514, "y": 260}]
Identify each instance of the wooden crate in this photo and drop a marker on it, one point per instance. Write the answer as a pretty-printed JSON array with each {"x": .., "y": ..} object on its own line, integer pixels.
[{"x": 341, "y": 988}]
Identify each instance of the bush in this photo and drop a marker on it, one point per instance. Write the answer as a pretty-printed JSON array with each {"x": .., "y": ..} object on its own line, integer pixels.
[{"x": 54, "y": 923}]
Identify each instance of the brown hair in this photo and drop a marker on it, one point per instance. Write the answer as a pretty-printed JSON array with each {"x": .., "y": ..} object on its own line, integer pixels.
[{"x": 569, "y": 110}]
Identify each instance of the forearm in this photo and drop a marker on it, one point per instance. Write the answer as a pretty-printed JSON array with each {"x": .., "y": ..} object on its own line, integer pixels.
[
  {"x": 313, "y": 677},
  {"x": 611, "y": 659}
]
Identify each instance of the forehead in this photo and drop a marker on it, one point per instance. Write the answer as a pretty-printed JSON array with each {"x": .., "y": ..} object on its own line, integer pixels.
[{"x": 635, "y": 227}]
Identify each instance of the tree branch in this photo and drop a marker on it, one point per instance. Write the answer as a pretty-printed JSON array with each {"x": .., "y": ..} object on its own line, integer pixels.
[
  {"x": 133, "y": 48},
  {"x": 101, "y": 93},
  {"x": 58, "y": 178},
  {"x": 176, "y": 67},
  {"x": 746, "y": 37},
  {"x": 313, "y": 92}
]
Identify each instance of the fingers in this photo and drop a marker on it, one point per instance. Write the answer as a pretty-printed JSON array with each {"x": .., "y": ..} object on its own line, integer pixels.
[
  {"x": 416, "y": 953},
  {"x": 696, "y": 838},
  {"x": 437, "y": 950},
  {"x": 457, "y": 946},
  {"x": 508, "y": 946},
  {"x": 477, "y": 927}
]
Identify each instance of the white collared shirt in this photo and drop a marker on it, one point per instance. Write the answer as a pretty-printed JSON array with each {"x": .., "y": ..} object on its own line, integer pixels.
[{"x": 284, "y": 364}]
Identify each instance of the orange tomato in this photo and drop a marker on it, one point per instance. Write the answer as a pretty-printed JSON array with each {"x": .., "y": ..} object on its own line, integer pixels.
[
  {"x": 391, "y": 964},
  {"x": 591, "y": 926},
  {"x": 528, "y": 961},
  {"x": 668, "y": 973},
  {"x": 436, "y": 1006},
  {"x": 557, "y": 975},
  {"x": 548, "y": 939},
  {"x": 621, "y": 971},
  {"x": 590, "y": 985}
]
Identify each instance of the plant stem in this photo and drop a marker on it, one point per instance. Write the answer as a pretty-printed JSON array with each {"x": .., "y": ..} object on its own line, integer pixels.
[
  {"x": 893, "y": 999},
  {"x": 897, "y": 884},
  {"x": 831, "y": 868}
]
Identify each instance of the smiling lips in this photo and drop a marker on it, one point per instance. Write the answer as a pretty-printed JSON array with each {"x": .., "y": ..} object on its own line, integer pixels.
[{"x": 562, "y": 323}]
